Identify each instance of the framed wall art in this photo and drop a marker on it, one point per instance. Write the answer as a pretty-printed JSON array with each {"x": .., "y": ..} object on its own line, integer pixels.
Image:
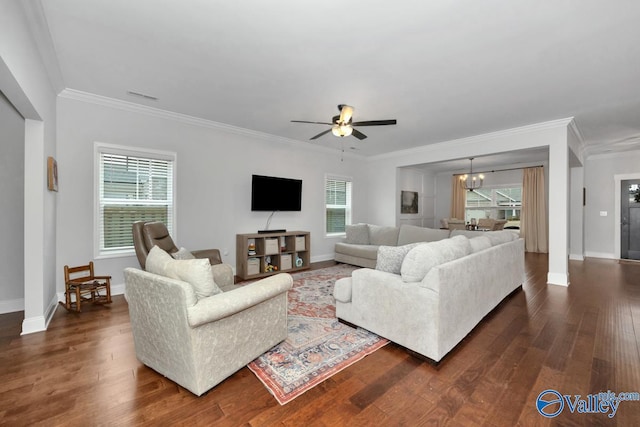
[
  {"x": 52, "y": 174},
  {"x": 408, "y": 202}
]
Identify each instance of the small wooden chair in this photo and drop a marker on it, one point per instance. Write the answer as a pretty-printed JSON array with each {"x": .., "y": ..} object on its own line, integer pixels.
[{"x": 82, "y": 283}]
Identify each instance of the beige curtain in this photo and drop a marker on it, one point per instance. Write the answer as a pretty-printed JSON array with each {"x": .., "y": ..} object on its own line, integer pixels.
[
  {"x": 458, "y": 198},
  {"x": 533, "y": 218}
]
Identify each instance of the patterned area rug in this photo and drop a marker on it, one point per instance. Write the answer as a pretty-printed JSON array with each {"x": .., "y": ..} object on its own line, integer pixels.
[{"x": 318, "y": 346}]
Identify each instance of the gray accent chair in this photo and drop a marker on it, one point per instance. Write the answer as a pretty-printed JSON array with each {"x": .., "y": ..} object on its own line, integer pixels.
[
  {"x": 147, "y": 234},
  {"x": 199, "y": 343}
]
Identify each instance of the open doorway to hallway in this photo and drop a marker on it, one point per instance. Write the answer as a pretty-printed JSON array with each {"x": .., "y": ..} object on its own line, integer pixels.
[{"x": 630, "y": 219}]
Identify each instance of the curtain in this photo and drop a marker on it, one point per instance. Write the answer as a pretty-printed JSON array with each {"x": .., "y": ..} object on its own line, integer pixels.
[
  {"x": 458, "y": 198},
  {"x": 533, "y": 220}
]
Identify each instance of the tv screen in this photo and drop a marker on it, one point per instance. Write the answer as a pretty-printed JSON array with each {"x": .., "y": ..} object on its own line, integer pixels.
[{"x": 270, "y": 193}]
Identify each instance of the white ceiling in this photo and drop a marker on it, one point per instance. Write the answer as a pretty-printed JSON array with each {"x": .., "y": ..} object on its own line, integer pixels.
[{"x": 443, "y": 69}]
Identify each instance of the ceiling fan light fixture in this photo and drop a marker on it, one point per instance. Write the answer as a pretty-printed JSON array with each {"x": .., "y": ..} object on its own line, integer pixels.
[
  {"x": 342, "y": 130},
  {"x": 346, "y": 113}
]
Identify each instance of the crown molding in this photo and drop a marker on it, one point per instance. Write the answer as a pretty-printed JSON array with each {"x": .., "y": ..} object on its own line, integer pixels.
[
  {"x": 132, "y": 107},
  {"x": 613, "y": 154},
  {"x": 476, "y": 139}
]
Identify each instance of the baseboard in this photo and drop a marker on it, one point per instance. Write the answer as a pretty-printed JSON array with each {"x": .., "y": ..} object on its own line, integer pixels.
[
  {"x": 604, "y": 255},
  {"x": 11, "y": 305},
  {"x": 576, "y": 257},
  {"x": 33, "y": 324},
  {"x": 320, "y": 258},
  {"x": 559, "y": 279}
]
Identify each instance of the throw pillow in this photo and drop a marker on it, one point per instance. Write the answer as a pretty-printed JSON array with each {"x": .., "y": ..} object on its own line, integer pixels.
[
  {"x": 357, "y": 234},
  {"x": 196, "y": 272},
  {"x": 479, "y": 243},
  {"x": 157, "y": 260},
  {"x": 182, "y": 253},
  {"x": 390, "y": 257}
]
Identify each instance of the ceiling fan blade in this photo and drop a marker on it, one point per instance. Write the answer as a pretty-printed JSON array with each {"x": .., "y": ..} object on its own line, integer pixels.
[
  {"x": 358, "y": 134},
  {"x": 320, "y": 134},
  {"x": 375, "y": 123},
  {"x": 317, "y": 123}
]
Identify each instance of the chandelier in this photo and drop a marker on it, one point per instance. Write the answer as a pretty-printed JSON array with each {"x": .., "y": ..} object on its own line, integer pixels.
[{"x": 470, "y": 181}]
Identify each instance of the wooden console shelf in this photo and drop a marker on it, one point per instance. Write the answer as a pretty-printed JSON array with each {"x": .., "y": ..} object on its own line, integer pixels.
[{"x": 263, "y": 254}]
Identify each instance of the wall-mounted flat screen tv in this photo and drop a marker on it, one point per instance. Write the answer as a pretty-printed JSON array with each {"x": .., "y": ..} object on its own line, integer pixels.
[{"x": 270, "y": 193}]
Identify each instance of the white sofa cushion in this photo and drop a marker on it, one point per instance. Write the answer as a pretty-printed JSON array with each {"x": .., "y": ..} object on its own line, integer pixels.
[
  {"x": 196, "y": 272},
  {"x": 499, "y": 237},
  {"x": 412, "y": 234},
  {"x": 383, "y": 235},
  {"x": 479, "y": 243},
  {"x": 390, "y": 257},
  {"x": 421, "y": 259},
  {"x": 357, "y": 234}
]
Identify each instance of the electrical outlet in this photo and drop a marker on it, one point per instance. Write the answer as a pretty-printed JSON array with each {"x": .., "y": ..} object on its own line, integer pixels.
[{"x": 604, "y": 213}]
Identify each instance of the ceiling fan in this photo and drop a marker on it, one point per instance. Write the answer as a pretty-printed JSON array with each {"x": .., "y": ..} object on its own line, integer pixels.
[{"x": 343, "y": 125}]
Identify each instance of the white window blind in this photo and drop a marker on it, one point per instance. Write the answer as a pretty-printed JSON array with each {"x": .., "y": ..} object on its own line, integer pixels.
[
  {"x": 337, "y": 204},
  {"x": 131, "y": 188}
]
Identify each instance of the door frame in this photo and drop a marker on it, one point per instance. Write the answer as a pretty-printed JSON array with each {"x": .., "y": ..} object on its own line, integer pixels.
[{"x": 618, "y": 214}]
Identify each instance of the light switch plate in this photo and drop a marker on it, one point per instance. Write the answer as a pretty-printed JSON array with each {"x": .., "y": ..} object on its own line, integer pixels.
[{"x": 603, "y": 213}]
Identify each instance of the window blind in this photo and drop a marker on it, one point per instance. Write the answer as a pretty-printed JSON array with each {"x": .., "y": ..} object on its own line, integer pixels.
[
  {"x": 337, "y": 204},
  {"x": 131, "y": 188}
]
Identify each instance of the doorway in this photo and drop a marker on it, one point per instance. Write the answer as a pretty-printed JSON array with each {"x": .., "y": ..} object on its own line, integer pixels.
[{"x": 630, "y": 219}]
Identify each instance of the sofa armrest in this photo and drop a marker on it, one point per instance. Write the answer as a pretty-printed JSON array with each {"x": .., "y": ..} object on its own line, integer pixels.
[
  {"x": 222, "y": 305},
  {"x": 212, "y": 254}
]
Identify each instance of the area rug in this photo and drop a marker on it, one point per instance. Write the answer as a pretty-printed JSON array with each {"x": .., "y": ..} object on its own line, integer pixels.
[{"x": 317, "y": 346}]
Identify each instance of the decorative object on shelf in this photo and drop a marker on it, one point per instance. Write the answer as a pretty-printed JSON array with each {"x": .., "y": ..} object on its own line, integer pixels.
[
  {"x": 52, "y": 174},
  {"x": 268, "y": 266},
  {"x": 252, "y": 248},
  {"x": 470, "y": 181},
  {"x": 299, "y": 262}
]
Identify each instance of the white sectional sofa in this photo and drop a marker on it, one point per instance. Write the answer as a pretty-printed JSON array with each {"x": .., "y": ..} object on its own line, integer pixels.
[
  {"x": 362, "y": 241},
  {"x": 428, "y": 296}
]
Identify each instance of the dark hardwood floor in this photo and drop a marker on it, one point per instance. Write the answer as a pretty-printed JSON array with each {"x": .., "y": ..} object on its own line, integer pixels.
[{"x": 577, "y": 340}]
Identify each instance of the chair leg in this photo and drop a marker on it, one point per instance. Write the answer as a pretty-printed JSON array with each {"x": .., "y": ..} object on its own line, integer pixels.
[
  {"x": 78, "y": 299},
  {"x": 67, "y": 298}
]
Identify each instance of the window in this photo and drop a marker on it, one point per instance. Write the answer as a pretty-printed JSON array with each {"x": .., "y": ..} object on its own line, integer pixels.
[
  {"x": 497, "y": 203},
  {"x": 337, "y": 204},
  {"x": 132, "y": 185}
]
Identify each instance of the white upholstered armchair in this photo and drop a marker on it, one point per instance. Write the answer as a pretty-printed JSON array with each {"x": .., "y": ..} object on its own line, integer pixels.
[{"x": 199, "y": 342}]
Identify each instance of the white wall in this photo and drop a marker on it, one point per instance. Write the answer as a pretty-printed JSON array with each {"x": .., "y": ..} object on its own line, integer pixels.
[
  {"x": 600, "y": 187},
  {"x": 12, "y": 208},
  {"x": 422, "y": 182},
  {"x": 214, "y": 168},
  {"x": 25, "y": 83}
]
